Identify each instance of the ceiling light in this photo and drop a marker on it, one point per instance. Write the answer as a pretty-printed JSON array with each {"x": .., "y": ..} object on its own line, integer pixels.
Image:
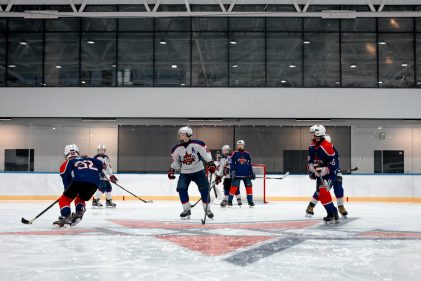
[
  {"x": 114, "y": 65},
  {"x": 174, "y": 66},
  {"x": 23, "y": 43},
  {"x": 292, "y": 66},
  {"x": 90, "y": 42},
  {"x": 380, "y": 82},
  {"x": 382, "y": 43},
  {"x": 306, "y": 42},
  {"x": 353, "y": 66},
  {"x": 283, "y": 81},
  {"x": 83, "y": 82},
  {"x": 404, "y": 64},
  {"x": 58, "y": 66},
  {"x": 233, "y": 43},
  {"x": 419, "y": 83},
  {"x": 235, "y": 65},
  {"x": 5, "y": 119},
  {"x": 11, "y": 66},
  {"x": 162, "y": 42},
  {"x": 182, "y": 84}
]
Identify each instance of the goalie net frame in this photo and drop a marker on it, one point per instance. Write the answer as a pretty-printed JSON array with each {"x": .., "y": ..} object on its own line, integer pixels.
[{"x": 260, "y": 172}]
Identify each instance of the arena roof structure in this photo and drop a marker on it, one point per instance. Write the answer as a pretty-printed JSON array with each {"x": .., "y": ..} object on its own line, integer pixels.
[{"x": 151, "y": 8}]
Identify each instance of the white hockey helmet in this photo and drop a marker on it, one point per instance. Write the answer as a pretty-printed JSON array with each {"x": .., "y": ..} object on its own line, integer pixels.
[
  {"x": 186, "y": 130},
  {"x": 101, "y": 149},
  {"x": 318, "y": 130},
  {"x": 328, "y": 138},
  {"x": 226, "y": 149},
  {"x": 241, "y": 142},
  {"x": 71, "y": 150}
]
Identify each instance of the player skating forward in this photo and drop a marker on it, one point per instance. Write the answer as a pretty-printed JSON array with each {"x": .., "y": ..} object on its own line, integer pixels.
[
  {"x": 337, "y": 189},
  {"x": 104, "y": 184},
  {"x": 241, "y": 170},
  {"x": 80, "y": 176},
  {"x": 224, "y": 171},
  {"x": 322, "y": 161},
  {"x": 187, "y": 156}
]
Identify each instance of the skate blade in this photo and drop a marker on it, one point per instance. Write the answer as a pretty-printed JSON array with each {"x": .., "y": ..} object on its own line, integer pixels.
[
  {"x": 110, "y": 207},
  {"x": 97, "y": 207},
  {"x": 309, "y": 216},
  {"x": 345, "y": 217},
  {"x": 61, "y": 226},
  {"x": 185, "y": 218},
  {"x": 76, "y": 222}
]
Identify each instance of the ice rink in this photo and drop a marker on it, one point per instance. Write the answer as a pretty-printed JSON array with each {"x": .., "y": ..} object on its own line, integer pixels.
[{"x": 138, "y": 241}]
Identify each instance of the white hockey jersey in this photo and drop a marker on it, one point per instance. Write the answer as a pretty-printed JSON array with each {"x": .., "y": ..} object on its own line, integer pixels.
[
  {"x": 106, "y": 163},
  {"x": 187, "y": 156},
  {"x": 224, "y": 166}
]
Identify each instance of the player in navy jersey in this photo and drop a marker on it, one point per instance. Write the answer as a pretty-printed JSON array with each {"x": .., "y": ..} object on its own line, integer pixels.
[
  {"x": 323, "y": 163},
  {"x": 104, "y": 184},
  {"x": 224, "y": 171},
  {"x": 80, "y": 176},
  {"x": 241, "y": 170},
  {"x": 187, "y": 156},
  {"x": 337, "y": 189}
]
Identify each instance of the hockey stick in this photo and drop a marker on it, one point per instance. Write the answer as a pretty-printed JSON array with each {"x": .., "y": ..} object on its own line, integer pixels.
[
  {"x": 277, "y": 178},
  {"x": 354, "y": 169},
  {"x": 144, "y": 201},
  {"x": 207, "y": 202},
  {"x": 25, "y": 221}
]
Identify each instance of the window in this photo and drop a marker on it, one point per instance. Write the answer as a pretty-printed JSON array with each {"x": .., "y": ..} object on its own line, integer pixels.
[
  {"x": 98, "y": 59},
  {"x": 61, "y": 59},
  {"x": 134, "y": 24},
  {"x": 99, "y": 24},
  {"x": 209, "y": 59},
  {"x": 284, "y": 64},
  {"x": 389, "y": 161},
  {"x": 359, "y": 60},
  {"x": 19, "y": 160}
]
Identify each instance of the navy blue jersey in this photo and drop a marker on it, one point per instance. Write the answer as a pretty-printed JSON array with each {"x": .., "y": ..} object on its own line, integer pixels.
[
  {"x": 323, "y": 154},
  {"x": 81, "y": 169},
  {"x": 241, "y": 164}
]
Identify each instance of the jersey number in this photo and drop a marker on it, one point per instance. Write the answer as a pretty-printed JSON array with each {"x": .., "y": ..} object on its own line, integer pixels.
[{"x": 85, "y": 164}]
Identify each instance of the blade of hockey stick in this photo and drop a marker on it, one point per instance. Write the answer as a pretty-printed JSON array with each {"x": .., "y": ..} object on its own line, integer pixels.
[
  {"x": 276, "y": 178},
  {"x": 25, "y": 221}
]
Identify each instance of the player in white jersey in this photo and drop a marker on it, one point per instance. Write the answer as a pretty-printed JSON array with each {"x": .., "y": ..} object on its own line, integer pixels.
[
  {"x": 224, "y": 171},
  {"x": 104, "y": 185},
  {"x": 187, "y": 157}
]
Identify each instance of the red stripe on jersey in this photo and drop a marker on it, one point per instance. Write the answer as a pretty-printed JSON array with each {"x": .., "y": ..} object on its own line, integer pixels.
[
  {"x": 63, "y": 166},
  {"x": 327, "y": 147}
]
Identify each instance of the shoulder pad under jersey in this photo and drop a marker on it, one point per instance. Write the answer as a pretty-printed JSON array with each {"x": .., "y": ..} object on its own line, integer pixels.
[{"x": 327, "y": 147}]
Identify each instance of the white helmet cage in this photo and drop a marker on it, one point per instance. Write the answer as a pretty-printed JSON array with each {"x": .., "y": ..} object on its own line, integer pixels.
[
  {"x": 71, "y": 150},
  {"x": 226, "y": 149},
  {"x": 101, "y": 149},
  {"x": 185, "y": 130},
  {"x": 241, "y": 142},
  {"x": 318, "y": 130}
]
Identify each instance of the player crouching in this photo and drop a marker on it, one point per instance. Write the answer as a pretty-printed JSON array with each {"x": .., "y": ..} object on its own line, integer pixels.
[
  {"x": 187, "y": 156},
  {"x": 80, "y": 176}
]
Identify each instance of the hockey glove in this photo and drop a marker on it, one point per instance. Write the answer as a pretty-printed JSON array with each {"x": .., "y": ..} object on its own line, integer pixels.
[
  {"x": 171, "y": 173},
  {"x": 233, "y": 175},
  {"x": 211, "y": 167},
  {"x": 323, "y": 171},
  {"x": 218, "y": 180},
  {"x": 312, "y": 176},
  {"x": 113, "y": 179},
  {"x": 252, "y": 176},
  {"x": 311, "y": 167},
  {"x": 226, "y": 171}
]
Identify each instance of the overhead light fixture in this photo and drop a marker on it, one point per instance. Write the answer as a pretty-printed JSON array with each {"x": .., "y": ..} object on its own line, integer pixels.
[
  {"x": 353, "y": 66},
  {"x": 83, "y": 82},
  {"x": 11, "y": 66},
  {"x": 306, "y": 42},
  {"x": 182, "y": 84},
  {"x": 235, "y": 65},
  {"x": 174, "y": 66},
  {"x": 382, "y": 43},
  {"x": 90, "y": 42},
  {"x": 162, "y": 42},
  {"x": 233, "y": 42},
  {"x": 283, "y": 81},
  {"x": 114, "y": 65},
  {"x": 58, "y": 66},
  {"x": 5, "y": 119},
  {"x": 380, "y": 82},
  {"x": 23, "y": 43},
  {"x": 404, "y": 64},
  {"x": 419, "y": 83},
  {"x": 292, "y": 66}
]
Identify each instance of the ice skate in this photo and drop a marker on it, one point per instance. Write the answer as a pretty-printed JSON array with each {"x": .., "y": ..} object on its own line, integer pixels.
[
  {"x": 251, "y": 204},
  {"x": 239, "y": 203},
  {"x": 209, "y": 214},
  {"x": 224, "y": 203},
  {"x": 343, "y": 211},
  {"x": 207, "y": 210},
  {"x": 64, "y": 222},
  {"x": 230, "y": 204},
  {"x": 185, "y": 215},
  {"x": 96, "y": 203},
  {"x": 109, "y": 203},
  {"x": 332, "y": 218},
  {"x": 77, "y": 217},
  {"x": 309, "y": 210}
]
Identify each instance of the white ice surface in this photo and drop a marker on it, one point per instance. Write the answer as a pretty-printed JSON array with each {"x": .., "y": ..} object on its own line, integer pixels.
[{"x": 111, "y": 251}]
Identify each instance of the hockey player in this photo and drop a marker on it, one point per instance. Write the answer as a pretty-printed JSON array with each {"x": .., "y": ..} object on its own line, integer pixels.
[
  {"x": 187, "y": 156},
  {"x": 224, "y": 171},
  {"x": 337, "y": 189},
  {"x": 104, "y": 184},
  {"x": 241, "y": 170},
  {"x": 323, "y": 163},
  {"x": 80, "y": 176}
]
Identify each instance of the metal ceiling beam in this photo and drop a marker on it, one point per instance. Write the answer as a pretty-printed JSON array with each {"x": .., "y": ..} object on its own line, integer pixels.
[
  {"x": 82, "y": 7},
  {"x": 145, "y": 3},
  {"x": 187, "y": 5},
  {"x": 381, "y": 6},
  {"x": 231, "y": 6},
  {"x": 330, "y": 14},
  {"x": 72, "y": 4},
  {"x": 155, "y": 8},
  {"x": 9, "y": 5},
  {"x": 297, "y": 7},
  {"x": 222, "y": 6},
  {"x": 371, "y": 6},
  {"x": 306, "y": 6}
]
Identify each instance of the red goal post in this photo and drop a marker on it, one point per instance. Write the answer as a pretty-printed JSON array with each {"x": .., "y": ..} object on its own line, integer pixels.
[{"x": 259, "y": 184}]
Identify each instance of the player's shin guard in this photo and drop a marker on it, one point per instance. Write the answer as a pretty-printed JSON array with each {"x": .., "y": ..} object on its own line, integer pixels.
[
  {"x": 64, "y": 203},
  {"x": 233, "y": 191},
  {"x": 340, "y": 201},
  {"x": 108, "y": 195},
  {"x": 315, "y": 198},
  {"x": 80, "y": 204},
  {"x": 326, "y": 199},
  {"x": 249, "y": 191},
  {"x": 184, "y": 196},
  {"x": 98, "y": 194}
]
